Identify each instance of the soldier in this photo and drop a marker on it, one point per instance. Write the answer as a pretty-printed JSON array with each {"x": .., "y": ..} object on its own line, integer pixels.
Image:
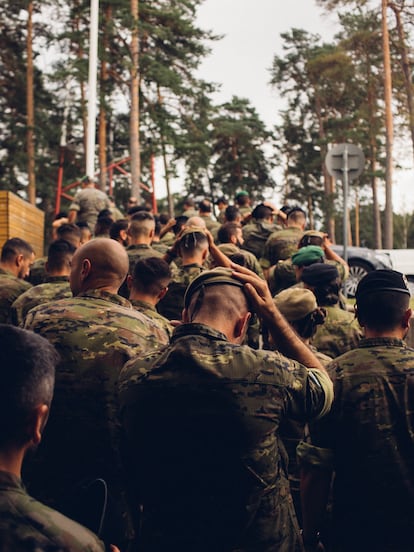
[
  {"x": 193, "y": 245},
  {"x": 17, "y": 257},
  {"x": 119, "y": 231},
  {"x": 87, "y": 204},
  {"x": 243, "y": 203},
  {"x": 147, "y": 286},
  {"x": 56, "y": 286},
  {"x": 95, "y": 332},
  {"x": 341, "y": 331},
  {"x": 222, "y": 205},
  {"x": 367, "y": 439},
  {"x": 201, "y": 422},
  {"x": 256, "y": 232},
  {"x": 27, "y": 367},
  {"x": 230, "y": 237},
  {"x": 205, "y": 211},
  {"x": 283, "y": 243}
]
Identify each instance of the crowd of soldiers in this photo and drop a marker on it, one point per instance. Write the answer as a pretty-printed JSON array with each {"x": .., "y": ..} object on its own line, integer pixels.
[{"x": 213, "y": 390}]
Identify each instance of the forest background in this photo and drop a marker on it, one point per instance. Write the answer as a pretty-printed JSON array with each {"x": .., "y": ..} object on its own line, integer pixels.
[{"x": 333, "y": 92}]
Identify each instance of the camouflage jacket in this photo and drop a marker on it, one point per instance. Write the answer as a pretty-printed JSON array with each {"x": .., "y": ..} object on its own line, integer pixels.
[
  {"x": 38, "y": 271},
  {"x": 338, "y": 334},
  {"x": 88, "y": 203},
  {"x": 201, "y": 419},
  {"x": 10, "y": 289},
  {"x": 172, "y": 304},
  {"x": 152, "y": 313},
  {"x": 54, "y": 289},
  {"x": 29, "y": 525},
  {"x": 255, "y": 235},
  {"x": 368, "y": 440},
  {"x": 280, "y": 246},
  {"x": 95, "y": 333},
  {"x": 250, "y": 261}
]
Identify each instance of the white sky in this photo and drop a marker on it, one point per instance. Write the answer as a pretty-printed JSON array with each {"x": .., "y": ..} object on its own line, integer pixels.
[{"x": 241, "y": 60}]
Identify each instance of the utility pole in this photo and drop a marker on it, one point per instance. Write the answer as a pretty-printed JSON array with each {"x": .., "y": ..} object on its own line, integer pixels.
[
  {"x": 93, "y": 69},
  {"x": 389, "y": 131},
  {"x": 134, "y": 115}
]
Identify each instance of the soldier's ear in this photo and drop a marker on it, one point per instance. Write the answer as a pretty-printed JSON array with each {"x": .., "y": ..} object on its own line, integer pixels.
[
  {"x": 129, "y": 281},
  {"x": 407, "y": 317},
  {"x": 36, "y": 423},
  {"x": 85, "y": 268}
]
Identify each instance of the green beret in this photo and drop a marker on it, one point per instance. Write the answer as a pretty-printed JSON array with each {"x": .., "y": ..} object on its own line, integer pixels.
[
  {"x": 308, "y": 255},
  {"x": 295, "y": 303},
  {"x": 382, "y": 280},
  {"x": 242, "y": 193},
  {"x": 219, "y": 275}
]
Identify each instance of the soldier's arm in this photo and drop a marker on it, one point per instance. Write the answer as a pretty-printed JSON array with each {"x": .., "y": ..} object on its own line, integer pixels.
[{"x": 220, "y": 259}]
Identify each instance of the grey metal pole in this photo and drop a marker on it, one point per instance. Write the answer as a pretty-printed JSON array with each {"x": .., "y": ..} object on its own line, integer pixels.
[
  {"x": 92, "y": 83},
  {"x": 346, "y": 193}
]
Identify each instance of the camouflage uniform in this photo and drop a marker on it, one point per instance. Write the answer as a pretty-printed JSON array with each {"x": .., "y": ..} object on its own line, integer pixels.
[
  {"x": 135, "y": 253},
  {"x": 255, "y": 235},
  {"x": 38, "y": 271},
  {"x": 152, "y": 313},
  {"x": 88, "y": 203},
  {"x": 368, "y": 440},
  {"x": 29, "y": 525},
  {"x": 54, "y": 289},
  {"x": 250, "y": 261},
  {"x": 10, "y": 288},
  {"x": 206, "y": 460},
  {"x": 95, "y": 333},
  {"x": 280, "y": 246},
  {"x": 338, "y": 334},
  {"x": 212, "y": 226},
  {"x": 172, "y": 304}
]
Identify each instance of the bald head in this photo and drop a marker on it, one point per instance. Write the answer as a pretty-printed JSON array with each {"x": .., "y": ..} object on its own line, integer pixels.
[
  {"x": 197, "y": 222},
  {"x": 101, "y": 263}
]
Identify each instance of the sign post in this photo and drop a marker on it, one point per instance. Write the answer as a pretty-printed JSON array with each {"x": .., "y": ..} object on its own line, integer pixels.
[{"x": 345, "y": 162}]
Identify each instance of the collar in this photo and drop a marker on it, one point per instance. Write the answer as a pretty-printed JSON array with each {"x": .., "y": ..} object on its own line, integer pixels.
[
  {"x": 56, "y": 279},
  {"x": 138, "y": 246},
  {"x": 106, "y": 296},
  {"x": 142, "y": 304},
  {"x": 200, "y": 330},
  {"x": 10, "y": 481},
  {"x": 381, "y": 342}
]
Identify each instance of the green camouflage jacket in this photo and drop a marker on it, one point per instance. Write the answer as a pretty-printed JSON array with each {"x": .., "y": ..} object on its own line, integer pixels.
[
  {"x": 54, "y": 289},
  {"x": 280, "y": 246},
  {"x": 88, "y": 203},
  {"x": 338, "y": 334},
  {"x": 172, "y": 304},
  {"x": 368, "y": 440},
  {"x": 201, "y": 419},
  {"x": 255, "y": 235},
  {"x": 95, "y": 333},
  {"x": 10, "y": 289},
  {"x": 250, "y": 261},
  {"x": 152, "y": 313},
  {"x": 29, "y": 525}
]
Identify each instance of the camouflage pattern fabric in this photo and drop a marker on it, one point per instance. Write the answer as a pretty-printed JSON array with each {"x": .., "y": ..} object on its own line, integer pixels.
[
  {"x": 338, "y": 334},
  {"x": 135, "y": 253},
  {"x": 38, "y": 271},
  {"x": 95, "y": 333},
  {"x": 212, "y": 225},
  {"x": 172, "y": 304},
  {"x": 250, "y": 261},
  {"x": 55, "y": 288},
  {"x": 201, "y": 420},
  {"x": 29, "y": 525},
  {"x": 10, "y": 289},
  {"x": 280, "y": 246},
  {"x": 255, "y": 235},
  {"x": 368, "y": 440},
  {"x": 152, "y": 313},
  {"x": 88, "y": 203}
]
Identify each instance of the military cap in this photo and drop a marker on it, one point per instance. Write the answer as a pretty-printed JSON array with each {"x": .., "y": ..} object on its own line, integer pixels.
[
  {"x": 308, "y": 255},
  {"x": 319, "y": 274},
  {"x": 382, "y": 280},
  {"x": 219, "y": 275},
  {"x": 295, "y": 303},
  {"x": 192, "y": 230},
  {"x": 242, "y": 193}
]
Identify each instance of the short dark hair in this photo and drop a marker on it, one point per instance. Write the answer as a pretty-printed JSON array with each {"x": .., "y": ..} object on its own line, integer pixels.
[
  {"x": 151, "y": 273},
  {"x": 27, "y": 372},
  {"x": 226, "y": 231},
  {"x": 14, "y": 247},
  {"x": 231, "y": 213},
  {"x": 58, "y": 253},
  {"x": 296, "y": 214},
  {"x": 117, "y": 226},
  {"x": 327, "y": 294},
  {"x": 382, "y": 310},
  {"x": 192, "y": 241},
  {"x": 204, "y": 206},
  {"x": 261, "y": 212},
  {"x": 138, "y": 209},
  {"x": 68, "y": 232}
]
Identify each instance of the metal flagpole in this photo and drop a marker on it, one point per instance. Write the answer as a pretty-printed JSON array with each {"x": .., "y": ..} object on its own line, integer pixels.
[{"x": 93, "y": 70}]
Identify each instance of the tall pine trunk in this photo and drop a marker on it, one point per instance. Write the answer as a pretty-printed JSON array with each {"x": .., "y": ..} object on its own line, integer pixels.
[
  {"x": 134, "y": 115},
  {"x": 30, "y": 109}
]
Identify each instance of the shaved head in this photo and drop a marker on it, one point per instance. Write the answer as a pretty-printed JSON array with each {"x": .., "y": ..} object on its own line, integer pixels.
[
  {"x": 101, "y": 263},
  {"x": 219, "y": 300}
]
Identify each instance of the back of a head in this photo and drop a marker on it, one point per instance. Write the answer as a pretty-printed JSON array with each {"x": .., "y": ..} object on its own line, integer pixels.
[
  {"x": 262, "y": 212},
  {"x": 382, "y": 300},
  {"x": 193, "y": 240},
  {"x": 296, "y": 216},
  {"x": 151, "y": 275},
  {"x": 14, "y": 247},
  {"x": 324, "y": 281},
  {"x": 59, "y": 255},
  {"x": 299, "y": 307},
  {"x": 117, "y": 227},
  {"x": 142, "y": 225},
  {"x": 242, "y": 199},
  {"x": 205, "y": 206},
  {"x": 311, "y": 237},
  {"x": 27, "y": 368},
  {"x": 227, "y": 231},
  {"x": 232, "y": 214},
  {"x": 69, "y": 232}
]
